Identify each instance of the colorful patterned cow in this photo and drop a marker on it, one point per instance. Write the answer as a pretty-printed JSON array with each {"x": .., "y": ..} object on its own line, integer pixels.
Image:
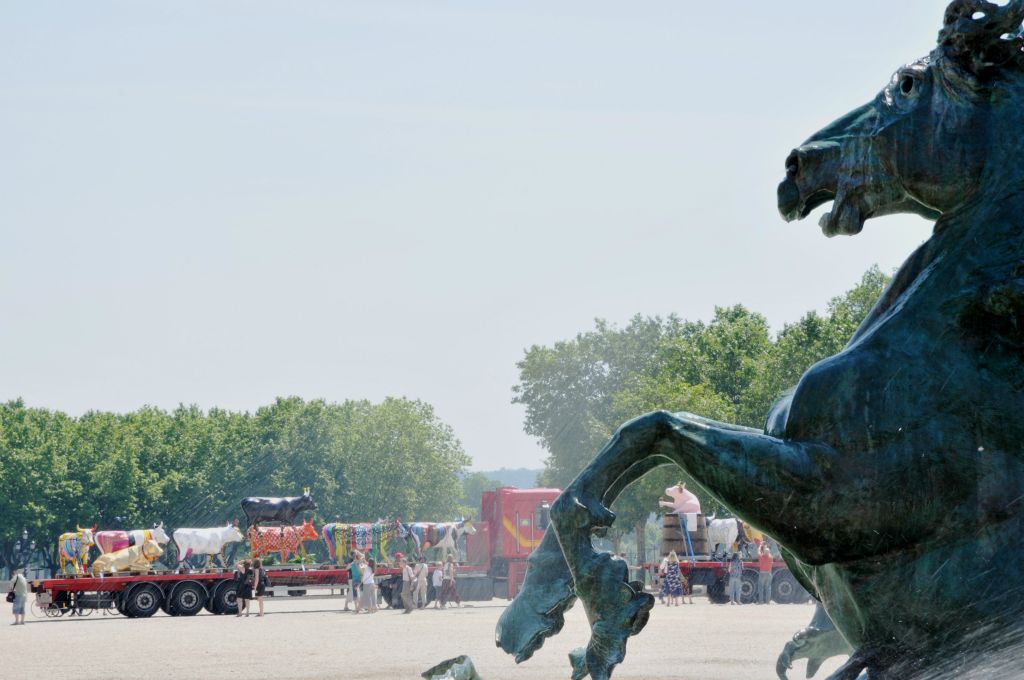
[
  {"x": 441, "y": 536},
  {"x": 112, "y": 541},
  {"x": 207, "y": 542},
  {"x": 371, "y": 539},
  {"x": 283, "y": 540},
  {"x": 74, "y": 550},
  {"x": 136, "y": 558}
]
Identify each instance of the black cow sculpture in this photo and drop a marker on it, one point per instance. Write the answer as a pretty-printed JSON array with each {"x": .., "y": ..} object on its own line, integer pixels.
[{"x": 259, "y": 510}]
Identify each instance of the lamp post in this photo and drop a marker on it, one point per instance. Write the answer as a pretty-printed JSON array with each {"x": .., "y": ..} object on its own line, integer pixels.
[{"x": 24, "y": 549}]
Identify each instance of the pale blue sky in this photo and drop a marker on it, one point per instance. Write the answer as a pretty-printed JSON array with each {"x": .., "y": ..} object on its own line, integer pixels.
[{"x": 222, "y": 202}]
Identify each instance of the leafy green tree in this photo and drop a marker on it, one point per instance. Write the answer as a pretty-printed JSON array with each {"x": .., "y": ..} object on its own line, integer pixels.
[{"x": 473, "y": 486}]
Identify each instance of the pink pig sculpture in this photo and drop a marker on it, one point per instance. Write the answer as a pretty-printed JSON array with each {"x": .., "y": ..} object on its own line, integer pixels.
[{"x": 683, "y": 501}]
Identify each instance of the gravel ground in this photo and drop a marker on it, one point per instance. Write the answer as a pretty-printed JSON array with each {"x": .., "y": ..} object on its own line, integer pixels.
[{"x": 307, "y": 638}]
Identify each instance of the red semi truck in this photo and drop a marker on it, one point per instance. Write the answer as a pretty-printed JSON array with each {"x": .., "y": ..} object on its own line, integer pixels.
[{"x": 511, "y": 525}]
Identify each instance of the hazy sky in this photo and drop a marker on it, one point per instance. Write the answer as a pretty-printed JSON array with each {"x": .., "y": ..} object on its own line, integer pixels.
[{"x": 222, "y": 202}]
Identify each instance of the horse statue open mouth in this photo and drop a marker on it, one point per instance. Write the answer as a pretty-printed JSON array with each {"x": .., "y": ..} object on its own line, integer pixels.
[{"x": 893, "y": 475}]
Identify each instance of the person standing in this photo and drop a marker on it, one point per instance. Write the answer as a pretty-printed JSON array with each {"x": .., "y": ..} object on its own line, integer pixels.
[
  {"x": 408, "y": 584},
  {"x": 242, "y": 593},
  {"x": 355, "y": 579},
  {"x": 19, "y": 586},
  {"x": 258, "y": 582},
  {"x": 369, "y": 585},
  {"x": 672, "y": 584},
  {"x": 735, "y": 579},
  {"x": 421, "y": 583},
  {"x": 764, "y": 575},
  {"x": 449, "y": 591},
  {"x": 437, "y": 580}
]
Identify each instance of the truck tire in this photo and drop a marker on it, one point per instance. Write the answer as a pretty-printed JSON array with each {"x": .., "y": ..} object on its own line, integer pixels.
[
  {"x": 784, "y": 587},
  {"x": 143, "y": 600},
  {"x": 186, "y": 599},
  {"x": 224, "y": 599},
  {"x": 748, "y": 586},
  {"x": 717, "y": 591}
]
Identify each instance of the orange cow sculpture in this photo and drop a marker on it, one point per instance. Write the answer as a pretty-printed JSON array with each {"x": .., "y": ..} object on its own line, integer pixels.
[{"x": 283, "y": 540}]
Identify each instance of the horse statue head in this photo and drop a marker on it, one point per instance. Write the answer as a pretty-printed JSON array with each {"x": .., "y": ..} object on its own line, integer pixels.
[{"x": 945, "y": 129}]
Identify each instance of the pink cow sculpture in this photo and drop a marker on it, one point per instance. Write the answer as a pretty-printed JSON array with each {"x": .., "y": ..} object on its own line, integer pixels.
[
  {"x": 112, "y": 540},
  {"x": 284, "y": 540}
]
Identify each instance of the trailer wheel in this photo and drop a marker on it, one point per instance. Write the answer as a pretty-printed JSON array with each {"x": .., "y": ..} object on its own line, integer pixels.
[
  {"x": 186, "y": 599},
  {"x": 225, "y": 599},
  {"x": 717, "y": 592},
  {"x": 142, "y": 601},
  {"x": 119, "y": 603},
  {"x": 784, "y": 587},
  {"x": 748, "y": 586}
]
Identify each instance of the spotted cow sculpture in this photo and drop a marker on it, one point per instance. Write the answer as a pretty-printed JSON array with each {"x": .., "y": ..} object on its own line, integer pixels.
[
  {"x": 113, "y": 540},
  {"x": 73, "y": 549},
  {"x": 281, "y": 540},
  {"x": 137, "y": 558},
  {"x": 209, "y": 542}
]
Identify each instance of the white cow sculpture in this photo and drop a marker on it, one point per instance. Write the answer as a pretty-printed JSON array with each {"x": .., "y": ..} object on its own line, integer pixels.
[{"x": 207, "y": 542}]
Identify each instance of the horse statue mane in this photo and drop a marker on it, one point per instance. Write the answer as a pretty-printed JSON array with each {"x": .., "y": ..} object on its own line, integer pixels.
[{"x": 892, "y": 475}]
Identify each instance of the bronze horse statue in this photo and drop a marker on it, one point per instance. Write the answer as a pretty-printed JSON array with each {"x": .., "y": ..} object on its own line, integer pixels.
[{"x": 893, "y": 474}]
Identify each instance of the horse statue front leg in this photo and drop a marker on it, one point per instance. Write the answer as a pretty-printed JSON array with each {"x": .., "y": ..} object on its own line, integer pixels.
[{"x": 754, "y": 474}]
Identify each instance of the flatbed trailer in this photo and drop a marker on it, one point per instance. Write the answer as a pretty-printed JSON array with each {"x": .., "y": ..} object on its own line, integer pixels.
[
  {"x": 714, "y": 576},
  {"x": 141, "y": 595}
]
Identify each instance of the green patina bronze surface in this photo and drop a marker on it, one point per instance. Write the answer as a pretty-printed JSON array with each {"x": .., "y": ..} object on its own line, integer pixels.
[{"x": 893, "y": 475}]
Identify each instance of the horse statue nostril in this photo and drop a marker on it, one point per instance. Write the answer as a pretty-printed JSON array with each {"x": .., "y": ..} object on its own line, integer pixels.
[{"x": 792, "y": 165}]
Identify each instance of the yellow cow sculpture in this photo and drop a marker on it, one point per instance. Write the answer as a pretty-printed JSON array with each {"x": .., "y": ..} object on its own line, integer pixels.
[{"x": 135, "y": 558}]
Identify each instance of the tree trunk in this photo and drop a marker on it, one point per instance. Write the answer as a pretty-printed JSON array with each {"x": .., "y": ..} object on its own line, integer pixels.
[{"x": 641, "y": 542}]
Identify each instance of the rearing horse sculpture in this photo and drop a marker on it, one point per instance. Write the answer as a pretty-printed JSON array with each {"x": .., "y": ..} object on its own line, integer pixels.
[{"x": 893, "y": 475}]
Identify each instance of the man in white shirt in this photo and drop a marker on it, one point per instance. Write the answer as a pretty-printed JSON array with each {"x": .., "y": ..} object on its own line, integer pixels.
[
  {"x": 420, "y": 594},
  {"x": 438, "y": 579},
  {"x": 408, "y": 584}
]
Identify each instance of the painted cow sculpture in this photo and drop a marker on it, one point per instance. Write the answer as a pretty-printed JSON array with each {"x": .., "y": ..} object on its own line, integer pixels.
[
  {"x": 111, "y": 540},
  {"x": 371, "y": 539},
  {"x": 137, "y": 558},
  {"x": 683, "y": 501},
  {"x": 282, "y": 540},
  {"x": 724, "y": 533},
  {"x": 441, "y": 536},
  {"x": 73, "y": 548},
  {"x": 258, "y": 509},
  {"x": 207, "y": 542}
]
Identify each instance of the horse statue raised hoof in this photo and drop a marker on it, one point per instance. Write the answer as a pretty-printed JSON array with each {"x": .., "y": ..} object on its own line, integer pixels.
[{"x": 892, "y": 476}]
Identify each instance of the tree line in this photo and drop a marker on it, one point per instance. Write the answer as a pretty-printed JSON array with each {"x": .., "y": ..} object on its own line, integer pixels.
[
  {"x": 578, "y": 391},
  {"x": 190, "y": 467}
]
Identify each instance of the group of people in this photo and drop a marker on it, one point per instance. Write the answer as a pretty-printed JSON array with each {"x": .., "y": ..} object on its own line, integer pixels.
[
  {"x": 362, "y": 590},
  {"x": 414, "y": 583},
  {"x": 250, "y": 584},
  {"x": 675, "y": 586}
]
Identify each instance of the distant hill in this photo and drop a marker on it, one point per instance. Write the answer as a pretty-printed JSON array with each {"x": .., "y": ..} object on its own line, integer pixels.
[{"x": 522, "y": 478}]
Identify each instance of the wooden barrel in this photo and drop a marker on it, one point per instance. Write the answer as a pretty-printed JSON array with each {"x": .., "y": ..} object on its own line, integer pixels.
[
  {"x": 700, "y": 546},
  {"x": 670, "y": 528},
  {"x": 672, "y": 535}
]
